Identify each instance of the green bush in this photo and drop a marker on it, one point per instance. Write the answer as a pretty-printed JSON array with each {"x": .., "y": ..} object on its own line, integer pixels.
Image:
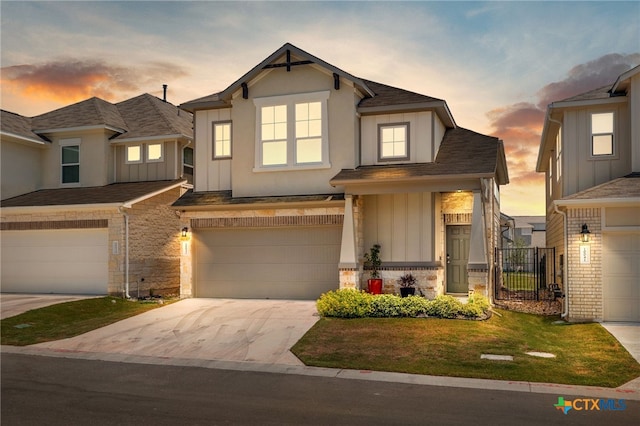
[
  {"x": 344, "y": 304},
  {"x": 358, "y": 304}
]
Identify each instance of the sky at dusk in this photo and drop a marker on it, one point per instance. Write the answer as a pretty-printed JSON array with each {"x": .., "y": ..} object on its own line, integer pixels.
[{"x": 497, "y": 64}]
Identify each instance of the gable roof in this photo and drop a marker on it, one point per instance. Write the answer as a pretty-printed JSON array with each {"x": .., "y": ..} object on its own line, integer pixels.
[
  {"x": 115, "y": 193},
  {"x": 377, "y": 97},
  {"x": 18, "y": 126},
  {"x": 462, "y": 153}
]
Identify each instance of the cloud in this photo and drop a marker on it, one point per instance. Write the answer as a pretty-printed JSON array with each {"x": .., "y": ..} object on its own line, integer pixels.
[{"x": 71, "y": 80}]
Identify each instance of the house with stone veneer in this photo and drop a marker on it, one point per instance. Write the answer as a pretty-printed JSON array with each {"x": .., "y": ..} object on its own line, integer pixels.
[
  {"x": 86, "y": 196},
  {"x": 301, "y": 167},
  {"x": 590, "y": 155}
]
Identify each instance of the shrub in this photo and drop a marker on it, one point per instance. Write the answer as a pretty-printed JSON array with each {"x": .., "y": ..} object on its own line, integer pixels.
[
  {"x": 344, "y": 304},
  {"x": 480, "y": 301},
  {"x": 444, "y": 306},
  {"x": 385, "y": 306},
  {"x": 413, "y": 306},
  {"x": 471, "y": 310}
]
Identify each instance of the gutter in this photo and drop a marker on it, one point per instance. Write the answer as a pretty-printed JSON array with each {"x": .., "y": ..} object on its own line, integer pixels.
[{"x": 565, "y": 280}]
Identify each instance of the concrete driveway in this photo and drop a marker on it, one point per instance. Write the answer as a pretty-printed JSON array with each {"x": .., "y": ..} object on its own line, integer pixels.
[
  {"x": 214, "y": 329},
  {"x": 12, "y": 304}
]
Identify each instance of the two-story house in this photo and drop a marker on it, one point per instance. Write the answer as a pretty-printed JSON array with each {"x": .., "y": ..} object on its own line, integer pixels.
[
  {"x": 86, "y": 197},
  {"x": 590, "y": 154},
  {"x": 301, "y": 167}
]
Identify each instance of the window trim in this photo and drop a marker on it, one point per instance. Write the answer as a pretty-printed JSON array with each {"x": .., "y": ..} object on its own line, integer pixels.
[
  {"x": 290, "y": 101},
  {"x": 559, "y": 155},
  {"x": 126, "y": 154},
  {"x": 156, "y": 160},
  {"x": 613, "y": 153},
  {"x": 213, "y": 140},
  {"x": 407, "y": 155},
  {"x": 64, "y": 143}
]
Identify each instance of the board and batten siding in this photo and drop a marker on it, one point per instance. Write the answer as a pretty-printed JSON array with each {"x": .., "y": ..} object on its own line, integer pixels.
[
  {"x": 211, "y": 175},
  {"x": 149, "y": 170},
  {"x": 403, "y": 224},
  {"x": 420, "y": 136},
  {"x": 586, "y": 171}
]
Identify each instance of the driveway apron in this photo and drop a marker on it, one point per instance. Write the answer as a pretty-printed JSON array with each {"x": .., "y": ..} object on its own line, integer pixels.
[{"x": 213, "y": 329}]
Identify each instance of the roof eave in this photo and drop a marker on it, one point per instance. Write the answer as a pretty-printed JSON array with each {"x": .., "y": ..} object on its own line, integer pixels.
[
  {"x": 440, "y": 107},
  {"x": 598, "y": 202},
  {"x": 590, "y": 102},
  {"x": 79, "y": 129},
  {"x": 150, "y": 138},
  {"x": 23, "y": 138},
  {"x": 130, "y": 203},
  {"x": 258, "y": 205},
  {"x": 194, "y": 106},
  {"x": 410, "y": 179},
  {"x": 625, "y": 76},
  {"x": 55, "y": 208}
]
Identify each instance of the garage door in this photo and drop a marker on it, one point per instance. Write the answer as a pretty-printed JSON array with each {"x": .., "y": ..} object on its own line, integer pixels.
[
  {"x": 73, "y": 261},
  {"x": 621, "y": 276},
  {"x": 273, "y": 263}
]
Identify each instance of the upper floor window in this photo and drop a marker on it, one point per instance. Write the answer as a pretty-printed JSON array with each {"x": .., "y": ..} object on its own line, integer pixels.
[
  {"x": 602, "y": 133},
  {"x": 222, "y": 140},
  {"x": 292, "y": 131},
  {"x": 187, "y": 163},
  {"x": 550, "y": 175},
  {"x": 70, "y": 160},
  {"x": 393, "y": 141},
  {"x": 134, "y": 154},
  {"x": 559, "y": 155},
  {"x": 154, "y": 152}
]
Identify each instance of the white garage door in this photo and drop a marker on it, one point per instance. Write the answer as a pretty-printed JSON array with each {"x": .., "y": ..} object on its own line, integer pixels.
[
  {"x": 621, "y": 276},
  {"x": 267, "y": 263},
  {"x": 72, "y": 261}
]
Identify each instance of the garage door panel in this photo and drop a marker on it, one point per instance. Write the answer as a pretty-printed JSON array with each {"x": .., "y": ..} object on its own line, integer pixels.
[
  {"x": 621, "y": 276},
  {"x": 55, "y": 261},
  {"x": 288, "y": 262}
]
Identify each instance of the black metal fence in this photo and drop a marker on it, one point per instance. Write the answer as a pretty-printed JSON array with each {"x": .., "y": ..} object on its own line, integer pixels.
[{"x": 524, "y": 273}]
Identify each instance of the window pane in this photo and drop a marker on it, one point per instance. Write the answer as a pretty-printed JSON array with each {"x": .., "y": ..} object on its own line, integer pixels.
[
  {"x": 274, "y": 153},
  {"x": 280, "y": 113},
  {"x": 602, "y": 123},
  {"x": 154, "y": 152},
  {"x": 315, "y": 110},
  {"x": 70, "y": 154},
  {"x": 387, "y": 134},
  {"x": 393, "y": 141},
  {"x": 133, "y": 154},
  {"x": 188, "y": 156},
  {"x": 302, "y": 129},
  {"x": 302, "y": 112},
  {"x": 280, "y": 131},
  {"x": 309, "y": 151},
  {"x": 70, "y": 174},
  {"x": 603, "y": 145}
]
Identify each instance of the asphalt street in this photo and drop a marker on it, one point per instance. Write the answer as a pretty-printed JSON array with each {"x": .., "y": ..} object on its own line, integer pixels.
[{"x": 39, "y": 390}]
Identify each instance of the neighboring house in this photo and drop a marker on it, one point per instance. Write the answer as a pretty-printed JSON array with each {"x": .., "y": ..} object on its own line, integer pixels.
[
  {"x": 302, "y": 167},
  {"x": 526, "y": 231},
  {"x": 86, "y": 197},
  {"x": 590, "y": 154}
]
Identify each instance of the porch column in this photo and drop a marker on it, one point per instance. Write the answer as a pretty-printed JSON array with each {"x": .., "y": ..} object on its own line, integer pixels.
[
  {"x": 478, "y": 268},
  {"x": 348, "y": 266}
]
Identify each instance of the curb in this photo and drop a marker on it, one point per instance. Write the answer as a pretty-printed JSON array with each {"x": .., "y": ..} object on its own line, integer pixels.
[{"x": 629, "y": 391}]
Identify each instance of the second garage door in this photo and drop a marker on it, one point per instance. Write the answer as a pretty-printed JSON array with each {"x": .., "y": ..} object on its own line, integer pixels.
[
  {"x": 267, "y": 263},
  {"x": 621, "y": 276}
]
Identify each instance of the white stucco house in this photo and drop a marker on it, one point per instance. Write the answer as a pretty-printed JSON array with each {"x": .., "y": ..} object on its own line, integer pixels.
[
  {"x": 590, "y": 154},
  {"x": 86, "y": 197},
  {"x": 301, "y": 167}
]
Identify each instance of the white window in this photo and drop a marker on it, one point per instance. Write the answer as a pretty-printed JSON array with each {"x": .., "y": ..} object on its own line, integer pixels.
[
  {"x": 134, "y": 154},
  {"x": 70, "y": 160},
  {"x": 222, "y": 140},
  {"x": 550, "y": 174},
  {"x": 602, "y": 133},
  {"x": 292, "y": 132},
  {"x": 559, "y": 155},
  {"x": 393, "y": 141},
  {"x": 154, "y": 152}
]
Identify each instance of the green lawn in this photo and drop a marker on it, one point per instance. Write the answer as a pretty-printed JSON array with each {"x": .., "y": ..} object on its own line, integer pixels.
[
  {"x": 586, "y": 354},
  {"x": 68, "y": 319}
]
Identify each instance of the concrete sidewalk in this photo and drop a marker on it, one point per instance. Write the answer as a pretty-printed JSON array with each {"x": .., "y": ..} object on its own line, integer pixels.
[{"x": 628, "y": 334}]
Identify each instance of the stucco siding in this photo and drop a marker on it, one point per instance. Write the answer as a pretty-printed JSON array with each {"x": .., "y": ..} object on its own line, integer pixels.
[{"x": 21, "y": 169}]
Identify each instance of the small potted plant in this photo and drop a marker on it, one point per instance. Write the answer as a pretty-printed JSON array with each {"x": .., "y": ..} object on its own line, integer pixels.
[
  {"x": 407, "y": 285},
  {"x": 372, "y": 260}
]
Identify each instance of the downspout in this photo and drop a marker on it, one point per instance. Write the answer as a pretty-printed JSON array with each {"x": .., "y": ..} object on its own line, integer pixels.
[
  {"x": 126, "y": 251},
  {"x": 565, "y": 281}
]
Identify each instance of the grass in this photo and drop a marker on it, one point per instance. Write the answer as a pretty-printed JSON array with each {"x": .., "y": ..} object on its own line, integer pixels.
[
  {"x": 586, "y": 354},
  {"x": 67, "y": 319}
]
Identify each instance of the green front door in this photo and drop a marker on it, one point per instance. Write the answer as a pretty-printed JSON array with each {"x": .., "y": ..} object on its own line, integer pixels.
[{"x": 458, "y": 237}]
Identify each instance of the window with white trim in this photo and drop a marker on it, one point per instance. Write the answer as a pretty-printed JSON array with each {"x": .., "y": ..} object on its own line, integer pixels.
[
  {"x": 551, "y": 174},
  {"x": 559, "y": 155},
  {"x": 70, "y": 160},
  {"x": 154, "y": 152},
  {"x": 602, "y": 134},
  {"x": 393, "y": 141},
  {"x": 134, "y": 154},
  {"x": 292, "y": 131},
  {"x": 222, "y": 140}
]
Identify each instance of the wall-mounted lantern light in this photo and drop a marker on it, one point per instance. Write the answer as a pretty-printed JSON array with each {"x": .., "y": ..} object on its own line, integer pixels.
[
  {"x": 185, "y": 232},
  {"x": 584, "y": 234}
]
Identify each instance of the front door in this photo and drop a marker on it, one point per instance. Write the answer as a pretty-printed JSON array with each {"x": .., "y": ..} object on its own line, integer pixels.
[{"x": 458, "y": 237}]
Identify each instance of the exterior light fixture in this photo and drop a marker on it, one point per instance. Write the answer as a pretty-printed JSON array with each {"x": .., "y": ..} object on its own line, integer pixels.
[
  {"x": 185, "y": 230},
  {"x": 584, "y": 234}
]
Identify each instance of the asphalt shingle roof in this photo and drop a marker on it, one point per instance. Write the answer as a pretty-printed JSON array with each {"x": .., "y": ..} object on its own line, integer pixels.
[
  {"x": 147, "y": 115},
  {"x": 389, "y": 95},
  {"x": 462, "y": 151},
  {"x": 624, "y": 187},
  {"x": 90, "y": 112},
  {"x": 213, "y": 198},
  {"x": 114, "y": 193},
  {"x": 17, "y": 124}
]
